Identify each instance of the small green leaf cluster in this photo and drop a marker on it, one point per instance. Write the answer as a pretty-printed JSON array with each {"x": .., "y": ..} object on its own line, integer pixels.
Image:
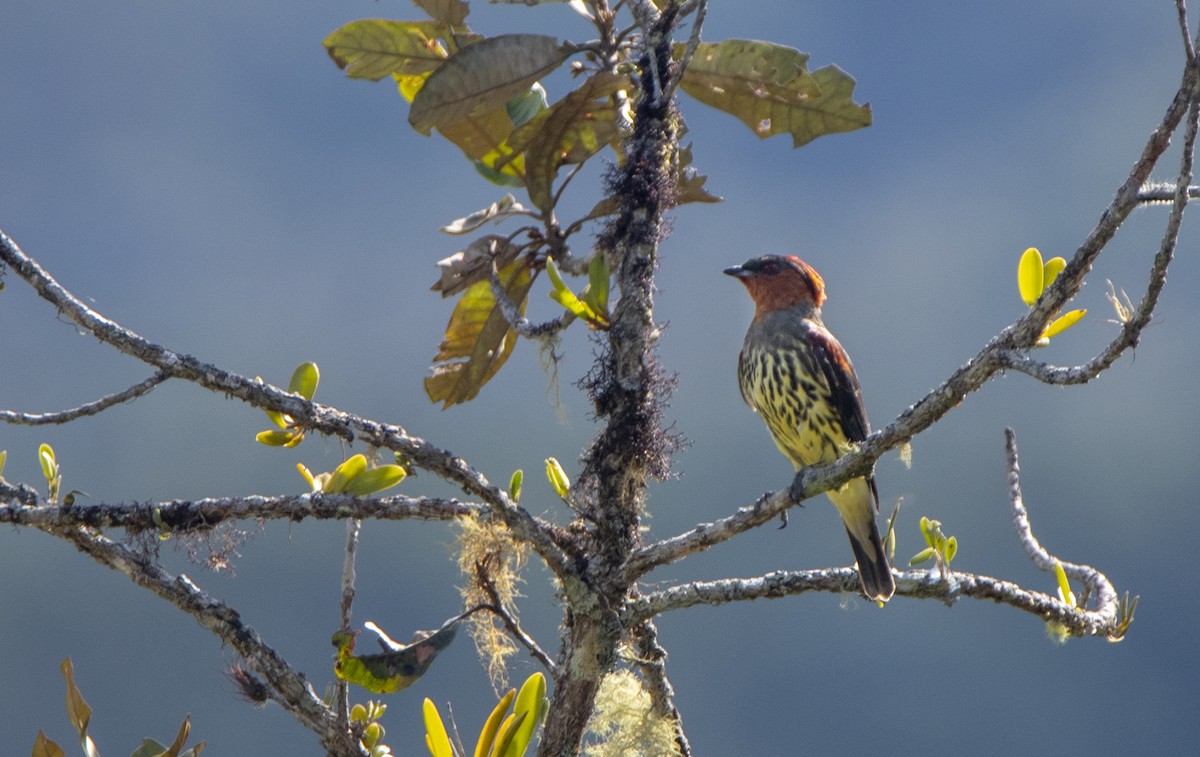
[
  {"x": 1033, "y": 277},
  {"x": 51, "y": 472},
  {"x": 80, "y": 715},
  {"x": 354, "y": 477},
  {"x": 504, "y": 734},
  {"x": 941, "y": 548},
  {"x": 368, "y": 716},
  {"x": 287, "y": 434},
  {"x": 592, "y": 304},
  {"x": 558, "y": 478}
]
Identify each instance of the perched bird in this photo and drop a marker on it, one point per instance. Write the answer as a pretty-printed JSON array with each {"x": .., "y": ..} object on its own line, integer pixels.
[{"x": 796, "y": 375}]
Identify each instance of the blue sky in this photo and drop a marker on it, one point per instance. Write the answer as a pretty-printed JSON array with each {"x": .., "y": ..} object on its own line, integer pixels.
[{"x": 207, "y": 177}]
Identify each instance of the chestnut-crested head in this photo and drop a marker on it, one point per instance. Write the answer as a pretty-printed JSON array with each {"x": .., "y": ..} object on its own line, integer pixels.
[{"x": 779, "y": 282}]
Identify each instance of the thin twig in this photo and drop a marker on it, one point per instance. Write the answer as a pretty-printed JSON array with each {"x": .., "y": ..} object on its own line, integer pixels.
[
  {"x": 520, "y": 323},
  {"x": 692, "y": 43},
  {"x": 1097, "y": 583},
  {"x": 90, "y": 408},
  {"x": 341, "y": 687},
  {"x": 510, "y": 620},
  {"x": 1188, "y": 47}
]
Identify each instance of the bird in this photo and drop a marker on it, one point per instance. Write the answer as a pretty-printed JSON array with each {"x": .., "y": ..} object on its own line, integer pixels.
[{"x": 795, "y": 374}]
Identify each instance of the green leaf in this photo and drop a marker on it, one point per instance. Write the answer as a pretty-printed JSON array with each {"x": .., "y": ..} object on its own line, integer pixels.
[
  {"x": 375, "y": 48},
  {"x": 279, "y": 419},
  {"x": 49, "y": 464},
  {"x": 522, "y": 108},
  {"x": 482, "y": 77},
  {"x": 768, "y": 88},
  {"x": 436, "y": 737},
  {"x": 923, "y": 556},
  {"x": 561, "y": 294},
  {"x": 44, "y": 747},
  {"x": 345, "y": 473},
  {"x": 507, "y": 734},
  {"x": 375, "y": 480},
  {"x": 276, "y": 438},
  {"x": 452, "y": 12},
  {"x": 559, "y": 481},
  {"x": 304, "y": 380},
  {"x": 1062, "y": 323},
  {"x": 478, "y": 339},
  {"x": 483, "y": 139},
  {"x": 3, "y": 460},
  {"x": 1030, "y": 276},
  {"x": 1064, "y": 586},
  {"x": 487, "y": 736},
  {"x": 951, "y": 549},
  {"x": 596, "y": 296},
  {"x": 514, "y": 485},
  {"x": 1050, "y": 271},
  {"x": 531, "y": 702}
]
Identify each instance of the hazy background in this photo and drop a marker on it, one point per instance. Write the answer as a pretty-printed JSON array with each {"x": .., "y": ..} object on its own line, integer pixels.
[{"x": 206, "y": 176}]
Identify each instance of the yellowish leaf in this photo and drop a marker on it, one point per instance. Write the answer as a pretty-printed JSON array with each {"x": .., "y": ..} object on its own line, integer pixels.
[
  {"x": 1030, "y": 276},
  {"x": 1062, "y": 323},
  {"x": 436, "y": 737},
  {"x": 375, "y": 48}
]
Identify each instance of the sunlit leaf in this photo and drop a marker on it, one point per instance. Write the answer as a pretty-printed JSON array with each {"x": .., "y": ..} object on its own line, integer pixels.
[
  {"x": 410, "y": 85},
  {"x": 1030, "y": 276},
  {"x": 531, "y": 702},
  {"x": 922, "y": 556},
  {"x": 1062, "y": 323},
  {"x": 507, "y": 734},
  {"x": 375, "y": 48},
  {"x": 951, "y": 548},
  {"x": 768, "y": 88},
  {"x": 436, "y": 737},
  {"x": 483, "y": 139},
  {"x": 559, "y": 481},
  {"x": 525, "y": 106},
  {"x": 514, "y": 485},
  {"x": 598, "y": 281},
  {"x": 78, "y": 711},
  {"x": 482, "y": 77},
  {"x": 452, "y": 12},
  {"x": 487, "y": 736},
  {"x": 562, "y": 294},
  {"x": 276, "y": 438},
  {"x": 478, "y": 339},
  {"x": 304, "y": 380},
  {"x": 375, "y": 480},
  {"x": 3, "y": 460},
  {"x": 1050, "y": 271},
  {"x": 345, "y": 473},
  {"x": 48, "y": 463}
]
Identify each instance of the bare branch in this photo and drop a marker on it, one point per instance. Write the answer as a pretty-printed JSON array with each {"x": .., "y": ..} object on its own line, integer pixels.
[
  {"x": 341, "y": 687},
  {"x": 186, "y": 516},
  {"x": 510, "y": 620},
  {"x": 293, "y": 690},
  {"x": 310, "y": 415},
  {"x": 1188, "y": 47},
  {"x": 90, "y": 408},
  {"x": 701, "y": 8},
  {"x": 1106, "y": 595}
]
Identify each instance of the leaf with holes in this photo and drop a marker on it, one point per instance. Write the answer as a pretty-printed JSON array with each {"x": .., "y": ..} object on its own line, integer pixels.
[{"x": 375, "y": 48}]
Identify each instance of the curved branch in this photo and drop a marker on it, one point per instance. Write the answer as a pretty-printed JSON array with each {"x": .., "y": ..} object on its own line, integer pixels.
[
  {"x": 89, "y": 408},
  {"x": 919, "y": 584},
  {"x": 189, "y": 516},
  {"x": 520, "y": 323},
  {"x": 971, "y": 376},
  {"x": 293, "y": 690},
  {"x": 542, "y": 536}
]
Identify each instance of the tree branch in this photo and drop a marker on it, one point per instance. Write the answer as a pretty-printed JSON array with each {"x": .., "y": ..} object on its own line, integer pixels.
[
  {"x": 996, "y": 355},
  {"x": 293, "y": 690},
  {"x": 309, "y": 415},
  {"x": 652, "y": 661},
  {"x": 90, "y": 408},
  {"x": 188, "y": 516}
]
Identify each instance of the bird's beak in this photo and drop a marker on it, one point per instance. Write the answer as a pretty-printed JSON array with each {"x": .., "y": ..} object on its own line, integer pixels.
[{"x": 737, "y": 272}]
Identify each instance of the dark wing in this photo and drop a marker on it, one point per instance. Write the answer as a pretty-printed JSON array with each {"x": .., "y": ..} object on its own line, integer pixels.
[
  {"x": 743, "y": 377},
  {"x": 843, "y": 387}
]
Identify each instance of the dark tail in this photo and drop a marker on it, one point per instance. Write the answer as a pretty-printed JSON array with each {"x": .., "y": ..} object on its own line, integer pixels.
[{"x": 873, "y": 568}]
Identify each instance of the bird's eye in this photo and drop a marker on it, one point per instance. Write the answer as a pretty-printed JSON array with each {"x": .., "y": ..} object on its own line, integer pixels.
[{"x": 770, "y": 268}]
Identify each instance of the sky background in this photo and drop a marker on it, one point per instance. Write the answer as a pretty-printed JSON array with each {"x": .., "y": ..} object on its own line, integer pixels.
[{"x": 207, "y": 177}]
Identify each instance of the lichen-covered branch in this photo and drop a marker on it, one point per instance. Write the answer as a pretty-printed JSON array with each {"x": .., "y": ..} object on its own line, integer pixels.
[{"x": 189, "y": 516}]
